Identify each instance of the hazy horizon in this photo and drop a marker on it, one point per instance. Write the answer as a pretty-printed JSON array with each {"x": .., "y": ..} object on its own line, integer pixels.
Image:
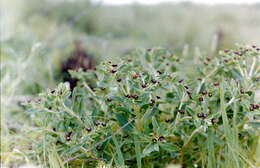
[{"x": 152, "y": 2}]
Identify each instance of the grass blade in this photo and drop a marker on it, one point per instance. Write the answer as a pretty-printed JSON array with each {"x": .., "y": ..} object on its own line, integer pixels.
[
  {"x": 211, "y": 151},
  {"x": 138, "y": 153},
  {"x": 118, "y": 151}
]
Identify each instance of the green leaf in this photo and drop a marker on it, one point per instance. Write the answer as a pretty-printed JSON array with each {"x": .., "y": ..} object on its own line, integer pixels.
[
  {"x": 155, "y": 124},
  {"x": 150, "y": 148},
  {"x": 122, "y": 109},
  {"x": 255, "y": 124},
  {"x": 124, "y": 68},
  {"x": 72, "y": 150},
  {"x": 217, "y": 140},
  {"x": 122, "y": 119},
  {"x": 120, "y": 159},
  {"x": 169, "y": 147},
  {"x": 150, "y": 114}
]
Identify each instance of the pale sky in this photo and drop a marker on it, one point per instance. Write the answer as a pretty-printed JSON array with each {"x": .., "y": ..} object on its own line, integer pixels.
[{"x": 119, "y": 2}]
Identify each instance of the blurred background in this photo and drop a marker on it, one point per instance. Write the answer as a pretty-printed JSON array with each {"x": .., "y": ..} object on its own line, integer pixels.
[
  {"x": 38, "y": 35},
  {"x": 44, "y": 30}
]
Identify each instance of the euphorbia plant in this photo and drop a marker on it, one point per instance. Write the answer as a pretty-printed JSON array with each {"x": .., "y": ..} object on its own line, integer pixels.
[{"x": 145, "y": 111}]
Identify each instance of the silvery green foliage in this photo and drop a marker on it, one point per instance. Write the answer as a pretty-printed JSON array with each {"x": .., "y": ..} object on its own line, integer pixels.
[{"x": 144, "y": 110}]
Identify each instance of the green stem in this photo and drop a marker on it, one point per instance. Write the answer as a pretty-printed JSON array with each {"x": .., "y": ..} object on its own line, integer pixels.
[{"x": 204, "y": 79}]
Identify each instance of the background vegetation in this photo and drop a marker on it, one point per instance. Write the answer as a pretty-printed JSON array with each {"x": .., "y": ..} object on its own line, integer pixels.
[{"x": 37, "y": 36}]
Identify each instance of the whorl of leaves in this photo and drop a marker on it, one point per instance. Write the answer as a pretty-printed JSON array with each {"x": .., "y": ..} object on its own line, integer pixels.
[{"x": 144, "y": 111}]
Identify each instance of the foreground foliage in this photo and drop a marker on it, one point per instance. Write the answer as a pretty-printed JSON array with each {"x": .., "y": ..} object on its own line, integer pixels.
[{"x": 148, "y": 110}]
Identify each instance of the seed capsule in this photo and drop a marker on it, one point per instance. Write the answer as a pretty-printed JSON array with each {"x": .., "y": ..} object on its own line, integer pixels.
[
  {"x": 97, "y": 123},
  {"x": 201, "y": 99},
  {"x": 154, "y": 81},
  {"x": 109, "y": 99},
  {"x": 144, "y": 85},
  {"x": 30, "y": 147},
  {"x": 158, "y": 97},
  {"x": 226, "y": 51},
  {"x": 180, "y": 81},
  {"x": 202, "y": 115},
  {"x": 113, "y": 71},
  {"x": 189, "y": 94},
  {"x": 103, "y": 124},
  {"x": 154, "y": 140},
  {"x": 242, "y": 91},
  {"x": 251, "y": 108},
  {"x": 135, "y": 76},
  {"x": 254, "y": 106},
  {"x": 98, "y": 147},
  {"x": 181, "y": 111},
  {"x": 159, "y": 72},
  {"x": 161, "y": 138},
  {"x": 210, "y": 94},
  {"x": 186, "y": 87},
  {"x": 168, "y": 120},
  {"x": 82, "y": 86},
  {"x": 89, "y": 129},
  {"x": 152, "y": 101},
  {"x": 213, "y": 121},
  {"x": 226, "y": 61},
  {"x": 208, "y": 59},
  {"x": 128, "y": 96},
  {"x": 134, "y": 96},
  {"x": 119, "y": 80},
  {"x": 67, "y": 136},
  {"x": 238, "y": 53},
  {"x": 204, "y": 92},
  {"x": 216, "y": 83},
  {"x": 114, "y": 65},
  {"x": 131, "y": 96}
]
